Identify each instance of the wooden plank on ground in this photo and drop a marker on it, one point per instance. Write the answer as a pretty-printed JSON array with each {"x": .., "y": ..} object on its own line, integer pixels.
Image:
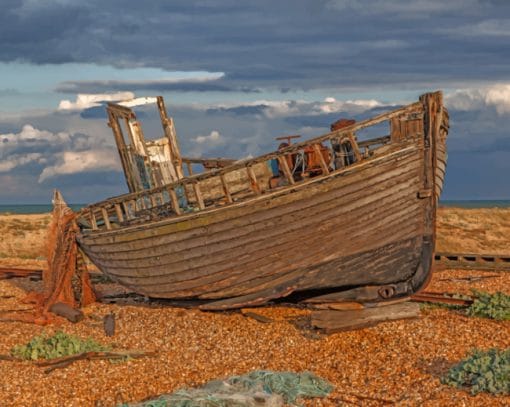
[{"x": 331, "y": 321}]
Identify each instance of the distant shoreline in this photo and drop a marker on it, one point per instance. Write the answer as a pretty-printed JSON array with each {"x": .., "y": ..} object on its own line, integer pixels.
[
  {"x": 476, "y": 204},
  {"x": 27, "y": 209},
  {"x": 34, "y": 209}
]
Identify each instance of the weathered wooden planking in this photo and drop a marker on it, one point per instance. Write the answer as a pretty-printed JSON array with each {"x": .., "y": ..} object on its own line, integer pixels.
[
  {"x": 244, "y": 220},
  {"x": 336, "y": 321},
  {"x": 396, "y": 213},
  {"x": 325, "y": 216},
  {"x": 361, "y": 223}
]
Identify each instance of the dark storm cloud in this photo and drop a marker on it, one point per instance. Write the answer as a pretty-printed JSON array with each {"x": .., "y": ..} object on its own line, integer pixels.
[
  {"x": 285, "y": 44},
  {"x": 155, "y": 85}
]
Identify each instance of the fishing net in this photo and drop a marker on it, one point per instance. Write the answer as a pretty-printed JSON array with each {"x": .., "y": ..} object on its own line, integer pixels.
[
  {"x": 255, "y": 389},
  {"x": 66, "y": 279}
]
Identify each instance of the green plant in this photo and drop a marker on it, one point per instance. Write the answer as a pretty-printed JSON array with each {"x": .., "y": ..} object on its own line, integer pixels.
[
  {"x": 482, "y": 372},
  {"x": 55, "y": 346},
  {"x": 494, "y": 306}
]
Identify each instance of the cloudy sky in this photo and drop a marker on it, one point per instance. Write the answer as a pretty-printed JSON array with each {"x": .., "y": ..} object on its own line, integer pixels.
[{"x": 236, "y": 74}]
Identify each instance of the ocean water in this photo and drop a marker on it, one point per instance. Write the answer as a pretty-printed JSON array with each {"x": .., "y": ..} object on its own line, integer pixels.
[{"x": 27, "y": 209}]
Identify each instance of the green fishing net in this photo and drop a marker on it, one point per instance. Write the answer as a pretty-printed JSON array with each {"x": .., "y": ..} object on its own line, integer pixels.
[{"x": 255, "y": 389}]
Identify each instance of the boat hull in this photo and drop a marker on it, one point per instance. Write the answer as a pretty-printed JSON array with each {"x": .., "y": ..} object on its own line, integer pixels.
[
  {"x": 363, "y": 233},
  {"x": 362, "y": 226}
]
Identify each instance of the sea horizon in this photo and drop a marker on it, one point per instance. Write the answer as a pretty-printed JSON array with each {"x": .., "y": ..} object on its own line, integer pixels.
[{"x": 26, "y": 209}]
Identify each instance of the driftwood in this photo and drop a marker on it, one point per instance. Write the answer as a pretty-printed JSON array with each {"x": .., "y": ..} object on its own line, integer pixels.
[
  {"x": 337, "y": 321},
  {"x": 65, "y": 361},
  {"x": 66, "y": 311},
  {"x": 58, "y": 363},
  {"x": 256, "y": 317},
  {"x": 362, "y": 398},
  {"x": 8, "y": 357}
]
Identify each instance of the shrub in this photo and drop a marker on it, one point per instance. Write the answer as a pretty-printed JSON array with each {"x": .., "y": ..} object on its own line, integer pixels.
[
  {"x": 55, "y": 346},
  {"x": 494, "y": 306},
  {"x": 482, "y": 372}
]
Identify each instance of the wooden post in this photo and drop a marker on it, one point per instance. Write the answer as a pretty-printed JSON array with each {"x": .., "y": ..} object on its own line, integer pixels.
[
  {"x": 93, "y": 220},
  {"x": 118, "y": 211},
  {"x": 106, "y": 218},
  {"x": 225, "y": 188},
  {"x": 198, "y": 195},
  {"x": 282, "y": 160},
  {"x": 174, "y": 201},
  {"x": 253, "y": 180},
  {"x": 125, "y": 205},
  {"x": 123, "y": 153},
  {"x": 190, "y": 168},
  {"x": 354, "y": 145},
  {"x": 169, "y": 129},
  {"x": 322, "y": 162}
]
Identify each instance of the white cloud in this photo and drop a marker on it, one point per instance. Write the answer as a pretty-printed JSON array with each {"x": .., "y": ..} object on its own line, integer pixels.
[
  {"x": 86, "y": 101},
  {"x": 213, "y": 138},
  {"x": 69, "y": 162},
  {"x": 29, "y": 135},
  {"x": 55, "y": 153},
  {"x": 331, "y": 105},
  {"x": 497, "y": 96},
  {"x": 18, "y": 160}
]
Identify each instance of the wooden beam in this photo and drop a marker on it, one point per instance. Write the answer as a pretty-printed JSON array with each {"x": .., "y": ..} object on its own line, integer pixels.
[
  {"x": 106, "y": 218},
  {"x": 322, "y": 162},
  {"x": 118, "y": 211},
  {"x": 282, "y": 160},
  {"x": 337, "y": 321},
  {"x": 174, "y": 201},
  {"x": 253, "y": 180},
  {"x": 169, "y": 129},
  {"x": 355, "y": 147},
  {"x": 225, "y": 188},
  {"x": 93, "y": 221},
  {"x": 198, "y": 195},
  {"x": 190, "y": 167},
  {"x": 125, "y": 205}
]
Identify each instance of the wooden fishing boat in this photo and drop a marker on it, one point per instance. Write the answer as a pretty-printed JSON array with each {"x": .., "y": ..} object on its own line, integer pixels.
[{"x": 334, "y": 218}]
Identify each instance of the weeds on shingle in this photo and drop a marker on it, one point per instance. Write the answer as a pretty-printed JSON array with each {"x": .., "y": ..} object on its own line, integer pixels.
[{"x": 483, "y": 371}]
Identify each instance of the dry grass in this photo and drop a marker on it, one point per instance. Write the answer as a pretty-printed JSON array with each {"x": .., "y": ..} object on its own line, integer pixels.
[
  {"x": 473, "y": 230},
  {"x": 23, "y": 236}
]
